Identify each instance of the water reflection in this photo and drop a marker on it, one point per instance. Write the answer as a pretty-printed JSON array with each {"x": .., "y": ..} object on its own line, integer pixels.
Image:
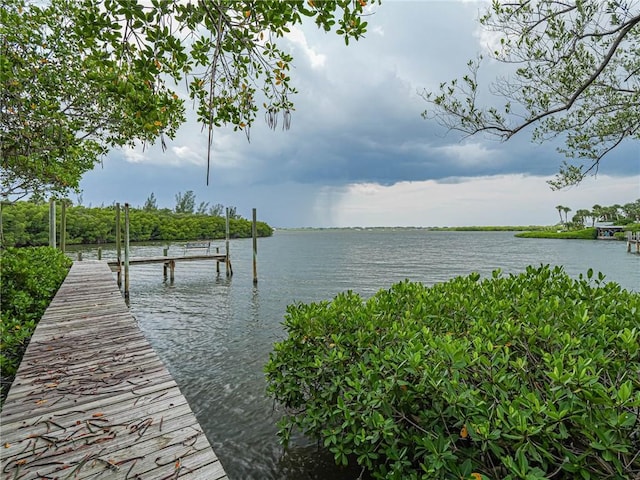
[{"x": 254, "y": 305}]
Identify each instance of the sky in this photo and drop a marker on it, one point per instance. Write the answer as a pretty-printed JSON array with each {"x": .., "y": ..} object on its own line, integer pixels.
[{"x": 358, "y": 152}]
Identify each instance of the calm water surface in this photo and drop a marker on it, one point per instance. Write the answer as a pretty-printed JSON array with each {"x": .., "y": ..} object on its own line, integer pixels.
[{"x": 215, "y": 334}]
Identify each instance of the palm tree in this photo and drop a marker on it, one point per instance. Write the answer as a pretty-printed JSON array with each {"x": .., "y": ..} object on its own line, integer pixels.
[
  {"x": 566, "y": 210},
  {"x": 610, "y": 213},
  {"x": 596, "y": 211},
  {"x": 616, "y": 210},
  {"x": 632, "y": 210},
  {"x": 560, "y": 208},
  {"x": 581, "y": 215}
]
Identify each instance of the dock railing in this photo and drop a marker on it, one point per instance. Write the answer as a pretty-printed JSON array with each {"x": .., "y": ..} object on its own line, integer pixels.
[{"x": 197, "y": 246}]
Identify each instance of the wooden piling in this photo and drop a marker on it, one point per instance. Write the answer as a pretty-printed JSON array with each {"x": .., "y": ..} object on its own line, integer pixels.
[
  {"x": 118, "y": 246},
  {"x": 52, "y": 223},
  {"x": 165, "y": 265},
  {"x": 99, "y": 253},
  {"x": 63, "y": 227},
  {"x": 226, "y": 230},
  {"x": 633, "y": 238},
  {"x": 126, "y": 251},
  {"x": 217, "y": 263},
  {"x": 254, "y": 234},
  {"x": 79, "y": 256}
]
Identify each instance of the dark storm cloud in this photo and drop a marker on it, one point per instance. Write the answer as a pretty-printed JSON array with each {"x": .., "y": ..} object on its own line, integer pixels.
[
  {"x": 357, "y": 116},
  {"x": 357, "y": 120}
]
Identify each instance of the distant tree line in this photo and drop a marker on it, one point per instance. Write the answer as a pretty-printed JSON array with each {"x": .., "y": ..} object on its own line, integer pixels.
[
  {"x": 27, "y": 224},
  {"x": 619, "y": 214}
]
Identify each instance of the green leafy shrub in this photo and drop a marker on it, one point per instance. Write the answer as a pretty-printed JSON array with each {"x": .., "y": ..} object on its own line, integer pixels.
[
  {"x": 30, "y": 277},
  {"x": 527, "y": 376},
  {"x": 27, "y": 224}
]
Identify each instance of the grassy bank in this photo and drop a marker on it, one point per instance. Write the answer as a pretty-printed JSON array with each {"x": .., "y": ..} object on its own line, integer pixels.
[
  {"x": 497, "y": 228},
  {"x": 585, "y": 234}
]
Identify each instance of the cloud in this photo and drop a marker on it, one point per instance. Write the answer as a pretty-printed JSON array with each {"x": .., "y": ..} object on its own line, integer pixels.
[
  {"x": 471, "y": 154},
  {"x": 185, "y": 152},
  {"x": 297, "y": 37},
  {"x": 357, "y": 116},
  {"x": 133, "y": 154},
  {"x": 378, "y": 30},
  {"x": 490, "y": 200},
  {"x": 358, "y": 151}
]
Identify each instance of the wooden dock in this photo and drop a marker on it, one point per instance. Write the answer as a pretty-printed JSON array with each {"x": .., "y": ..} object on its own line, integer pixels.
[
  {"x": 186, "y": 258},
  {"x": 633, "y": 242},
  {"x": 91, "y": 398},
  {"x": 169, "y": 264}
]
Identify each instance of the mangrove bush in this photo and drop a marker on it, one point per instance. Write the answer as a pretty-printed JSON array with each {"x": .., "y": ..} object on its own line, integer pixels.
[
  {"x": 527, "y": 376},
  {"x": 27, "y": 224},
  {"x": 29, "y": 279}
]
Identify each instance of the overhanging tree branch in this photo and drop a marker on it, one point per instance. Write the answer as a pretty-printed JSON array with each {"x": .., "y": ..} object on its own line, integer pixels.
[
  {"x": 577, "y": 76},
  {"x": 103, "y": 72}
]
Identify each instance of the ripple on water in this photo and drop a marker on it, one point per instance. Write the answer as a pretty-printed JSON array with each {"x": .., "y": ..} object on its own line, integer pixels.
[{"x": 215, "y": 334}]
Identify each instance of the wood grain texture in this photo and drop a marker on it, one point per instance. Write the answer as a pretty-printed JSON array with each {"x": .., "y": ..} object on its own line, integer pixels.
[{"x": 92, "y": 399}]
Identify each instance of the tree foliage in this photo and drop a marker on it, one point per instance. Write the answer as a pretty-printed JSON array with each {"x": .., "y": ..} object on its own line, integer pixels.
[
  {"x": 68, "y": 95},
  {"x": 80, "y": 77},
  {"x": 216, "y": 210},
  {"x": 150, "y": 203},
  {"x": 509, "y": 377},
  {"x": 203, "y": 208},
  {"x": 576, "y": 76},
  {"x": 620, "y": 214},
  {"x": 27, "y": 224},
  {"x": 185, "y": 203}
]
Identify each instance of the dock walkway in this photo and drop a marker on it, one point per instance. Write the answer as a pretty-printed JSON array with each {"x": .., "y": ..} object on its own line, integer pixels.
[{"x": 91, "y": 398}]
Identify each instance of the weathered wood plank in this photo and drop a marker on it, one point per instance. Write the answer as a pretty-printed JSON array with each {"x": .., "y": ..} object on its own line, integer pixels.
[
  {"x": 117, "y": 441},
  {"x": 68, "y": 388},
  {"x": 152, "y": 404},
  {"x": 92, "y": 399},
  {"x": 139, "y": 399}
]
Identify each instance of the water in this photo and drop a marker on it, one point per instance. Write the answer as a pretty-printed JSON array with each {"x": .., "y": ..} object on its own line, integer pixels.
[{"x": 215, "y": 334}]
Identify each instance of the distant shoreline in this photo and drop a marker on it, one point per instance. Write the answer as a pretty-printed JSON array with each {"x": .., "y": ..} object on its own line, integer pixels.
[{"x": 494, "y": 228}]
